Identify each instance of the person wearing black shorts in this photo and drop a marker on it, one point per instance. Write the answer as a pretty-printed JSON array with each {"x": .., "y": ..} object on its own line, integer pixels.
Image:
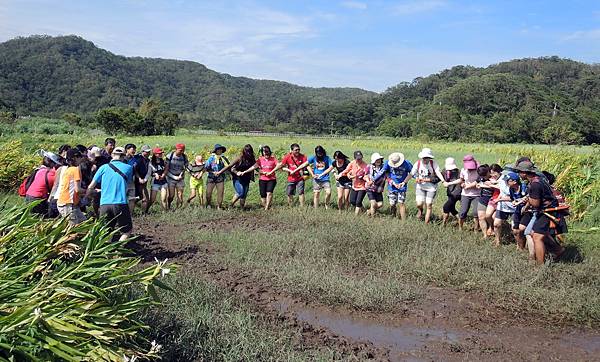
[{"x": 540, "y": 198}]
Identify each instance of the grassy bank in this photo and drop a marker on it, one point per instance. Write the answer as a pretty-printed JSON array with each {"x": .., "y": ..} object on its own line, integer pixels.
[
  {"x": 200, "y": 322},
  {"x": 377, "y": 264}
]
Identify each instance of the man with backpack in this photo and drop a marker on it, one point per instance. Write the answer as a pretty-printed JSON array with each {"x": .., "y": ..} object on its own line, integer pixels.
[
  {"x": 114, "y": 178},
  {"x": 38, "y": 185},
  {"x": 175, "y": 166}
]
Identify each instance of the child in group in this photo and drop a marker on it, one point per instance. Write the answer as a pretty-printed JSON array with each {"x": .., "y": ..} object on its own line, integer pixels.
[
  {"x": 495, "y": 174},
  {"x": 451, "y": 173},
  {"x": 485, "y": 195},
  {"x": 196, "y": 170}
]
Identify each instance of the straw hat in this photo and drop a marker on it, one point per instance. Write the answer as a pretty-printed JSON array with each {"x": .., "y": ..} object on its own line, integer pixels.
[
  {"x": 376, "y": 156},
  {"x": 396, "y": 159}
]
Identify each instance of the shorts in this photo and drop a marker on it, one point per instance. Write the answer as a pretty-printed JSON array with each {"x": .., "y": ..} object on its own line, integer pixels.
[
  {"x": 357, "y": 197},
  {"x": 52, "y": 209},
  {"x": 158, "y": 187},
  {"x": 561, "y": 226},
  {"x": 503, "y": 215},
  {"x": 178, "y": 184},
  {"x": 319, "y": 185},
  {"x": 72, "y": 213},
  {"x": 241, "y": 187},
  {"x": 295, "y": 187},
  {"x": 375, "y": 196},
  {"x": 481, "y": 207},
  {"x": 541, "y": 224},
  {"x": 266, "y": 186},
  {"x": 197, "y": 184},
  {"x": 396, "y": 197},
  {"x": 117, "y": 215},
  {"x": 40, "y": 209},
  {"x": 425, "y": 196},
  {"x": 468, "y": 203},
  {"x": 212, "y": 179},
  {"x": 345, "y": 185}
]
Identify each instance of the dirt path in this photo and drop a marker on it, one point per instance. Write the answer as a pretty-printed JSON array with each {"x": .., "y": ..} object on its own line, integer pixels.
[{"x": 445, "y": 325}]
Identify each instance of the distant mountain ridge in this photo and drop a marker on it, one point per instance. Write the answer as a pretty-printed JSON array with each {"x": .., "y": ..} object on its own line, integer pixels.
[
  {"x": 52, "y": 75},
  {"x": 531, "y": 100}
]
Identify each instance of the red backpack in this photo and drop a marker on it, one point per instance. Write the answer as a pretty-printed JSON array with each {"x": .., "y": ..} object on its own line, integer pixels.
[{"x": 29, "y": 180}]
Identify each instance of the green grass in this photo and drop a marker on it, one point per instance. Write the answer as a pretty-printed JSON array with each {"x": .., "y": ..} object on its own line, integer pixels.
[
  {"x": 200, "y": 322},
  {"x": 377, "y": 264}
]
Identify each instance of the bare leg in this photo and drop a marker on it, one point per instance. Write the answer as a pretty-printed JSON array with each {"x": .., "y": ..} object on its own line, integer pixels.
[
  {"x": 316, "y": 197},
  {"x": 210, "y": 186},
  {"x": 539, "y": 247},
  {"x": 301, "y": 198},
  {"x": 347, "y": 198},
  {"x": 483, "y": 223},
  {"x": 519, "y": 235},
  {"x": 419, "y": 210},
  {"x": 327, "y": 198},
  {"x": 269, "y": 200},
  {"x": 220, "y": 192},
  {"x": 402, "y": 209},
  {"x": 340, "y": 198},
  {"x": 530, "y": 247},
  {"x": 192, "y": 195},
  {"x": 428, "y": 213},
  {"x": 152, "y": 200},
  {"x": 179, "y": 197},
  {"x": 164, "y": 198},
  {"x": 445, "y": 217},
  {"x": 497, "y": 231},
  {"x": 171, "y": 196},
  {"x": 290, "y": 200}
]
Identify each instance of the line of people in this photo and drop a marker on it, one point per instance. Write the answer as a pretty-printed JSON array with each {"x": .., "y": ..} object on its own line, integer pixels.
[{"x": 112, "y": 181}]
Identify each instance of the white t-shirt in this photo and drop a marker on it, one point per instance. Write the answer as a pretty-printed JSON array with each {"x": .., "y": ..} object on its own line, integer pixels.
[
  {"x": 469, "y": 176},
  {"x": 421, "y": 170},
  {"x": 504, "y": 206}
]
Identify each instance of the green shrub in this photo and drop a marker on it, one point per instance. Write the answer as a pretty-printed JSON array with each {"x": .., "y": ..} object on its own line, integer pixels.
[
  {"x": 15, "y": 164},
  {"x": 64, "y": 292}
]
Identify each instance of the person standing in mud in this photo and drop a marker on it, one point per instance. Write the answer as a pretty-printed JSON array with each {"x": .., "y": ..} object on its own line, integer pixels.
[
  {"x": 319, "y": 169},
  {"x": 242, "y": 173},
  {"x": 175, "y": 166},
  {"x": 357, "y": 172},
  {"x": 267, "y": 181},
  {"x": 294, "y": 163}
]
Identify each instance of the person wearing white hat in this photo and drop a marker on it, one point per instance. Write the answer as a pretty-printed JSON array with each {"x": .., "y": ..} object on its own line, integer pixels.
[
  {"x": 397, "y": 169},
  {"x": 375, "y": 188},
  {"x": 427, "y": 175},
  {"x": 41, "y": 182},
  {"x": 451, "y": 173}
]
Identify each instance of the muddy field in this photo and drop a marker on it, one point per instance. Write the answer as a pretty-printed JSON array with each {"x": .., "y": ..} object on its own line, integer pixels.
[{"x": 444, "y": 324}]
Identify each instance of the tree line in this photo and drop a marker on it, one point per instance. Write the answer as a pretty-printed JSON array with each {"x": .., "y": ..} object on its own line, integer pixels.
[{"x": 542, "y": 100}]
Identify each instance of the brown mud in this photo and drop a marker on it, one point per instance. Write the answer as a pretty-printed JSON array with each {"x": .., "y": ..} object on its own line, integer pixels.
[{"x": 445, "y": 324}]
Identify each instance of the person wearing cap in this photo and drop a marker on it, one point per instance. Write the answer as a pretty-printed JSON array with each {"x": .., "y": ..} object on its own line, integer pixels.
[
  {"x": 159, "y": 179},
  {"x": 397, "y": 170},
  {"x": 114, "y": 178},
  {"x": 175, "y": 166},
  {"x": 294, "y": 163},
  {"x": 320, "y": 166},
  {"x": 69, "y": 190},
  {"x": 427, "y": 175},
  {"x": 342, "y": 183},
  {"x": 470, "y": 193},
  {"x": 214, "y": 166},
  {"x": 509, "y": 199},
  {"x": 43, "y": 181},
  {"x": 357, "y": 172},
  {"x": 375, "y": 187},
  {"x": 540, "y": 198},
  {"x": 453, "y": 189}
]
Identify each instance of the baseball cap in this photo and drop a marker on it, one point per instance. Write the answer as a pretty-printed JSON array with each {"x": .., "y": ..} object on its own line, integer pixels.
[
  {"x": 157, "y": 150},
  {"x": 358, "y": 155},
  {"x": 118, "y": 151},
  {"x": 511, "y": 176},
  {"x": 146, "y": 148},
  {"x": 180, "y": 146}
]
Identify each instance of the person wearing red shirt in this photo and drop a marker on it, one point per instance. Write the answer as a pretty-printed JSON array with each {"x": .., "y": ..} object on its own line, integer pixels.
[
  {"x": 43, "y": 182},
  {"x": 294, "y": 163}
]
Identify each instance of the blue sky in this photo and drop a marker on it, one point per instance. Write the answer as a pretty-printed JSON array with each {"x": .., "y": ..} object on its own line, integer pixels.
[{"x": 367, "y": 44}]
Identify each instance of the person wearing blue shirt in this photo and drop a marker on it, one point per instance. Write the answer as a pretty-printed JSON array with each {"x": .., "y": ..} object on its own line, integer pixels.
[
  {"x": 320, "y": 166},
  {"x": 397, "y": 169},
  {"x": 114, "y": 179}
]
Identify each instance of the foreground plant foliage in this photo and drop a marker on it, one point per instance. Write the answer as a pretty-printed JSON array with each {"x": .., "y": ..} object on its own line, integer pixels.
[{"x": 64, "y": 292}]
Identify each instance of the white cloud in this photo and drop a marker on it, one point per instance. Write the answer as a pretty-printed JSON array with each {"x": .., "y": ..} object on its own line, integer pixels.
[
  {"x": 415, "y": 7},
  {"x": 592, "y": 34},
  {"x": 354, "y": 5}
]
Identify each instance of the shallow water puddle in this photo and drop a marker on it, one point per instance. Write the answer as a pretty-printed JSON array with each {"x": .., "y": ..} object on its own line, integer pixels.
[{"x": 398, "y": 339}]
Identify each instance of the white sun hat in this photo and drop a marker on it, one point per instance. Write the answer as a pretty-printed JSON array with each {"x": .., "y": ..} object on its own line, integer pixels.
[
  {"x": 426, "y": 153},
  {"x": 396, "y": 159},
  {"x": 376, "y": 156},
  {"x": 450, "y": 164}
]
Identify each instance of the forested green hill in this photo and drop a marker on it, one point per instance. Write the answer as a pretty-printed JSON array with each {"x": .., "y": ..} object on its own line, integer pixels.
[
  {"x": 541, "y": 100},
  {"x": 53, "y": 75}
]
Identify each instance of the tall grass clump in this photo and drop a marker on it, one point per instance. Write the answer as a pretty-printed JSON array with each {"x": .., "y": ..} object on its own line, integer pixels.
[
  {"x": 65, "y": 293},
  {"x": 15, "y": 164}
]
